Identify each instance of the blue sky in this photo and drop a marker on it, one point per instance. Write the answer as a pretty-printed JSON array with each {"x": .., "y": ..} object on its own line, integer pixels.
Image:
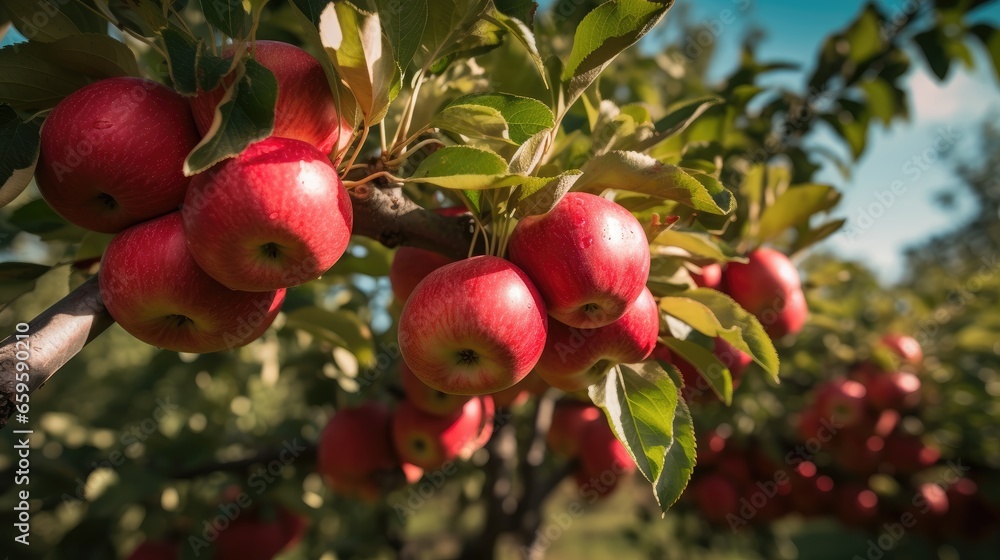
[{"x": 954, "y": 110}]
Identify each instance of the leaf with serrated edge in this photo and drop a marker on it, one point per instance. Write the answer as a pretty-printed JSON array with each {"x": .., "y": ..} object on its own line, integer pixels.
[
  {"x": 523, "y": 116},
  {"x": 523, "y": 34},
  {"x": 527, "y": 157},
  {"x": 244, "y": 115},
  {"x": 697, "y": 244},
  {"x": 474, "y": 121},
  {"x": 539, "y": 199},
  {"x": 713, "y": 313},
  {"x": 403, "y": 23},
  {"x": 636, "y": 172},
  {"x": 640, "y": 402}
]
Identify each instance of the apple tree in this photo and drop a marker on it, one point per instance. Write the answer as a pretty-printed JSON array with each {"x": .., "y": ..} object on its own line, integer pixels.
[{"x": 215, "y": 212}]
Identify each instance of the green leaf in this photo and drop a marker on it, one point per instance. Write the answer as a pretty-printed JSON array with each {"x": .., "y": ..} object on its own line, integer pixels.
[
  {"x": 93, "y": 55},
  {"x": 522, "y": 10},
  {"x": 339, "y": 328},
  {"x": 718, "y": 376},
  {"x": 311, "y": 9},
  {"x": 245, "y": 115},
  {"x": 30, "y": 81},
  {"x": 602, "y": 35},
  {"x": 452, "y": 23},
  {"x": 678, "y": 465},
  {"x": 474, "y": 121},
  {"x": 815, "y": 235},
  {"x": 990, "y": 37},
  {"x": 682, "y": 115},
  {"x": 527, "y": 157},
  {"x": 540, "y": 198},
  {"x": 932, "y": 44},
  {"x": 794, "y": 208},
  {"x": 19, "y": 145},
  {"x": 37, "y": 217},
  {"x": 49, "y": 20},
  {"x": 640, "y": 402},
  {"x": 713, "y": 314},
  {"x": 403, "y": 23},
  {"x": 362, "y": 55},
  {"x": 881, "y": 99},
  {"x": 697, "y": 244},
  {"x": 636, "y": 172},
  {"x": 864, "y": 37},
  {"x": 229, "y": 16},
  {"x": 461, "y": 167},
  {"x": 21, "y": 271},
  {"x": 521, "y": 32},
  {"x": 524, "y": 117},
  {"x": 144, "y": 16},
  {"x": 192, "y": 66}
]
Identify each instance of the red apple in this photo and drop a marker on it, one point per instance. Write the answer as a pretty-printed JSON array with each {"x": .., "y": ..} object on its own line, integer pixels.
[
  {"x": 156, "y": 550},
  {"x": 251, "y": 537},
  {"x": 604, "y": 461},
  {"x": 410, "y": 265},
  {"x": 717, "y": 496},
  {"x": 473, "y": 327},
  {"x": 427, "y": 399},
  {"x": 809, "y": 424},
  {"x": 273, "y": 217},
  {"x": 842, "y": 401},
  {"x": 569, "y": 419},
  {"x": 112, "y": 154},
  {"x": 429, "y": 441},
  {"x": 305, "y": 108},
  {"x": 710, "y": 277},
  {"x": 355, "y": 449},
  {"x": 154, "y": 289},
  {"x": 711, "y": 447},
  {"x": 859, "y": 453},
  {"x": 908, "y": 453},
  {"x": 970, "y": 515},
  {"x": 898, "y": 390},
  {"x": 930, "y": 500},
  {"x": 856, "y": 505},
  {"x": 769, "y": 287},
  {"x": 906, "y": 347},
  {"x": 588, "y": 256},
  {"x": 272, "y": 313},
  {"x": 576, "y": 358}
]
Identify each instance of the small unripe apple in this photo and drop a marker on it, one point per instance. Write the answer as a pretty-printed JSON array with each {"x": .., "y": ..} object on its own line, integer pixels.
[
  {"x": 275, "y": 216},
  {"x": 569, "y": 419},
  {"x": 305, "y": 109},
  {"x": 112, "y": 154},
  {"x": 429, "y": 441},
  {"x": 154, "y": 289},
  {"x": 355, "y": 446},
  {"x": 588, "y": 256},
  {"x": 426, "y": 398},
  {"x": 768, "y": 286},
  {"x": 473, "y": 327},
  {"x": 575, "y": 358}
]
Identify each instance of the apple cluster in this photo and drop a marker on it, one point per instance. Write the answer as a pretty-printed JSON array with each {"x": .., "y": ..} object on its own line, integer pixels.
[
  {"x": 200, "y": 264},
  {"x": 850, "y": 435},
  {"x": 767, "y": 285},
  {"x": 254, "y": 533},
  {"x": 570, "y": 300}
]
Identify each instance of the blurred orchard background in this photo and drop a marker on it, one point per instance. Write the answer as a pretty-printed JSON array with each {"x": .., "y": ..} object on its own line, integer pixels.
[{"x": 132, "y": 443}]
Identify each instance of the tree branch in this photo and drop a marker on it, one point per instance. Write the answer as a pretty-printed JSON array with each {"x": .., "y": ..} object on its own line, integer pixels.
[{"x": 382, "y": 213}]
